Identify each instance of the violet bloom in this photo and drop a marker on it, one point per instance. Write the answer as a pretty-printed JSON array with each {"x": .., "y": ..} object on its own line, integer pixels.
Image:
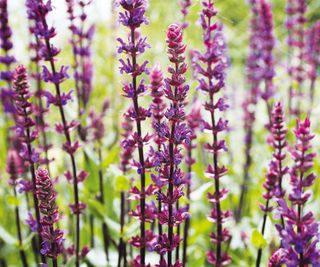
[
  {"x": 52, "y": 237},
  {"x": 210, "y": 70},
  {"x": 6, "y": 59},
  {"x": 26, "y": 133},
  {"x": 175, "y": 132},
  {"x": 38, "y": 12},
  {"x": 184, "y": 9},
  {"x": 81, "y": 42},
  {"x": 313, "y": 56},
  {"x": 14, "y": 169},
  {"x": 276, "y": 170},
  {"x": 295, "y": 24},
  {"x": 132, "y": 17},
  {"x": 299, "y": 236}
]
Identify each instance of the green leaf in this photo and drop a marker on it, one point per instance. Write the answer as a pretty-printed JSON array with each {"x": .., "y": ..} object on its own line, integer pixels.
[
  {"x": 27, "y": 241},
  {"x": 112, "y": 155},
  {"x": 71, "y": 262},
  {"x": 258, "y": 240}
]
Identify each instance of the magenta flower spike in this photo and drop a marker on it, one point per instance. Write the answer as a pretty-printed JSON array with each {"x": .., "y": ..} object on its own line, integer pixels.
[
  {"x": 210, "y": 70},
  {"x": 26, "y": 133},
  {"x": 52, "y": 237},
  {"x": 299, "y": 236},
  {"x": 6, "y": 59},
  {"x": 38, "y": 12},
  {"x": 175, "y": 133},
  {"x": 14, "y": 169},
  {"x": 132, "y": 17},
  {"x": 277, "y": 169},
  {"x": 295, "y": 24}
]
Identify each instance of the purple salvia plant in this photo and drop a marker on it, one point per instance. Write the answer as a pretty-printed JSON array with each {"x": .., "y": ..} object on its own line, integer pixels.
[
  {"x": 299, "y": 236},
  {"x": 37, "y": 13},
  {"x": 210, "y": 70},
  {"x": 133, "y": 17},
  {"x": 175, "y": 132},
  {"x": 254, "y": 76},
  {"x": 26, "y": 134},
  {"x": 14, "y": 169},
  {"x": 313, "y": 56},
  {"x": 268, "y": 43},
  {"x": 184, "y": 9},
  {"x": 81, "y": 42},
  {"x": 40, "y": 109},
  {"x": 276, "y": 170},
  {"x": 52, "y": 237},
  {"x": 194, "y": 121},
  {"x": 6, "y": 59},
  {"x": 295, "y": 24}
]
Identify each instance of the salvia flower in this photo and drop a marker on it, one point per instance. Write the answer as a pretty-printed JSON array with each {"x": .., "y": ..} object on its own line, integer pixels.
[
  {"x": 277, "y": 169},
  {"x": 295, "y": 24},
  {"x": 175, "y": 133},
  {"x": 184, "y": 9},
  {"x": 299, "y": 236},
  {"x": 132, "y": 17},
  {"x": 38, "y": 12},
  {"x": 26, "y": 134},
  {"x": 52, "y": 237},
  {"x": 210, "y": 70},
  {"x": 6, "y": 59}
]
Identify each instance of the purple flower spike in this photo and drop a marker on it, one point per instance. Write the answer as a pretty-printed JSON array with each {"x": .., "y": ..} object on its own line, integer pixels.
[
  {"x": 277, "y": 169},
  {"x": 210, "y": 67},
  {"x": 299, "y": 236},
  {"x": 6, "y": 59},
  {"x": 174, "y": 132},
  {"x": 52, "y": 237},
  {"x": 132, "y": 17},
  {"x": 185, "y": 5},
  {"x": 295, "y": 24}
]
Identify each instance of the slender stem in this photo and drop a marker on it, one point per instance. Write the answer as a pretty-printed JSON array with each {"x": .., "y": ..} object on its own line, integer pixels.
[
  {"x": 141, "y": 154},
  {"x": 19, "y": 234},
  {"x": 68, "y": 139},
  {"x": 122, "y": 215},
  {"x": 187, "y": 222}
]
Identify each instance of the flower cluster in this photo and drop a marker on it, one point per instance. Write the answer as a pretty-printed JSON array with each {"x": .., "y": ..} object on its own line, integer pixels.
[
  {"x": 81, "y": 42},
  {"x": 175, "y": 133},
  {"x": 52, "y": 244},
  {"x": 38, "y": 12},
  {"x": 299, "y": 236},
  {"x": 132, "y": 17},
  {"x": 276, "y": 170},
  {"x": 13, "y": 168},
  {"x": 295, "y": 24},
  {"x": 6, "y": 59},
  {"x": 210, "y": 70}
]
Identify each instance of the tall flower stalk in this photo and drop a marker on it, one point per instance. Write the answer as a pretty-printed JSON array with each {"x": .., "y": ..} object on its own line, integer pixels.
[
  {"x": 299, "y": 236},
  {"x": 14, "y": 170},
  {"x": 38, "y": 12},
  {"x": 277, "y": 170},
  {"x": 295, "y": 24},
  {"x": 210, "y": 70},
  {"x": 184, "y": 9},
  {"x": 133, "y": 17},
  {"x": 52, "y": 237},
  {"x": 6, "y": 59},
  {"x": 27, "y": 134},
  {"x": 175, "y": 133}
]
